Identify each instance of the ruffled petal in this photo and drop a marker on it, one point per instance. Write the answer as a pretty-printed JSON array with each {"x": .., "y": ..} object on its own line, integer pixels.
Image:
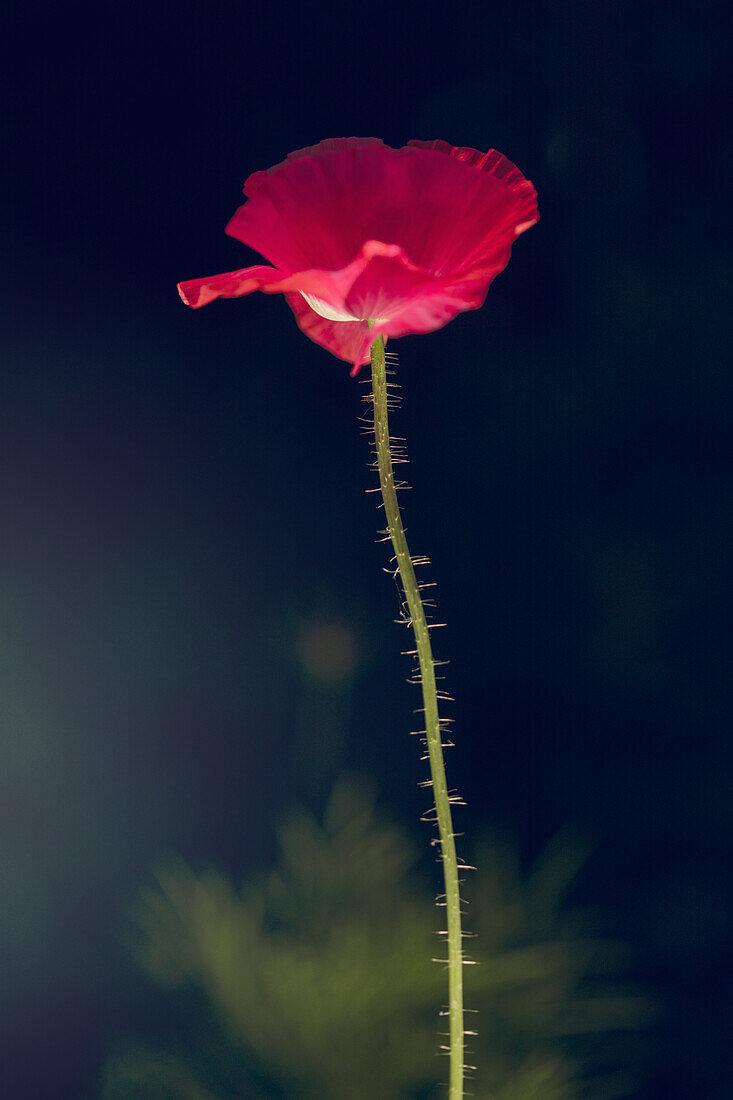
[
  {"x": 444, "y": 206},
  {"x": 501, "y": 217},
  {"x": 491, "y": 161},
  {"x": 328, "y": 145},
  {"x": 317, "y": 208}
]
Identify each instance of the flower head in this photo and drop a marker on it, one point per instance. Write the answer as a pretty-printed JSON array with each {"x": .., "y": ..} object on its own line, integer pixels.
[{"x": 356, "y": 231}]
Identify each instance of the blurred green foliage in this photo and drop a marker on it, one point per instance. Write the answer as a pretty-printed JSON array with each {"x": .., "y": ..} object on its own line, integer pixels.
[{"x": 317, "y": 982}]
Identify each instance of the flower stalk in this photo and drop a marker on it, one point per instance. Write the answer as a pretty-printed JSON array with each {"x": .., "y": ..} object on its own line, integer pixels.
[{"x": 433, "y": 727}]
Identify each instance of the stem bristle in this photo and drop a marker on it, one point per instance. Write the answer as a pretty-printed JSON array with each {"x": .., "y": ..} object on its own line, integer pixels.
[{"x": 389, "y": 451}]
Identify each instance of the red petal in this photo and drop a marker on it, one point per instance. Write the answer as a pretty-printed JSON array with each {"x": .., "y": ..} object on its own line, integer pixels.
[
  {"x": 349, "y": 340},
  {"x": 232, "y": 284},
  {"x": 492, "y": 161},
  {"x": 332, "y": 287},
  {"x": 255, "y": 181},
  {"x": 435, "y": 307},
  {"x": 318, "y": 207}
]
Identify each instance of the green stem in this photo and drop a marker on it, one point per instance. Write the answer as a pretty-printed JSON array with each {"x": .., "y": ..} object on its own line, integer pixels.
[{"x": 432, "y": 719}]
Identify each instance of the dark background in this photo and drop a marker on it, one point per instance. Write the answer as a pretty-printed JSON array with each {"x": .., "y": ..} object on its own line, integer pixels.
[{"x": 182, "y": 493}]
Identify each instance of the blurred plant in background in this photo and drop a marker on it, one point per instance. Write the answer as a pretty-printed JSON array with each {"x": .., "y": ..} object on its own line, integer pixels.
[{"x": 314, "y": 982}]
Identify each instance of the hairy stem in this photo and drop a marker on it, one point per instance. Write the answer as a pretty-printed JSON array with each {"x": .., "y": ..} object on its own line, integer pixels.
[{"x": 433, "y": 730}]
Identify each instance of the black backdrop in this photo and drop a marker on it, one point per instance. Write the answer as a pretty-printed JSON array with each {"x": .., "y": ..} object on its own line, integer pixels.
[{"x": 182, "y": 491}]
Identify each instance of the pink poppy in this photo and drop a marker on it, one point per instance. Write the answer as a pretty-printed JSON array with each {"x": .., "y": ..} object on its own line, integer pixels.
[{"x": 358, "y": 231}]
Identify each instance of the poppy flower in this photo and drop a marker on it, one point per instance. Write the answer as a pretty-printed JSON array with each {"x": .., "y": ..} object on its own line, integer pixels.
[{"x": 356, "y": 231}]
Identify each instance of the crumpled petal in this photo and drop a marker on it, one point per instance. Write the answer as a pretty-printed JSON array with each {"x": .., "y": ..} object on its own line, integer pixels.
[{"x": 406, "y": 237}]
